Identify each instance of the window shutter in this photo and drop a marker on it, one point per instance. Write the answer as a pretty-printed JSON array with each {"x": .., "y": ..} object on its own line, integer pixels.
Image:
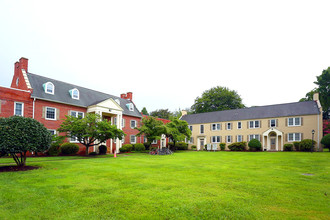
[
  {"x": 57, "y": 114},
  {"x": 242, "y": 137},
  {"x": 220, "y": 139},
  {"x": 211, "y": 127},
  {"x": 276, "y": 125},
  {"x": 269, "y": 123},
  {"x": 301, "y": 136},
  {"x": 43, "y": 111},
  {"x": 211, "y": 139},
  {"x": 260, "y": 138},
  {"x": 286, "y": 122},
  {"x": 301, "y": 121},
  {"x": 248, "y": 124},
  {"x": 286, "y": 137},
  {"x": 259, "y": 123},
  {"x": 236, "y": 138},
  {"x": 220, "y": 126}
]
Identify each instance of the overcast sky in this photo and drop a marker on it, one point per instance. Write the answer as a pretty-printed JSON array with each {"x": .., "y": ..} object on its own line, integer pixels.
[{"x": 168, "y": 52}]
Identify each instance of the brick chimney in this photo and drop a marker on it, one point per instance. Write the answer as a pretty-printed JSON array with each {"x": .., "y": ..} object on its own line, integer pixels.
[
  {"x": 24, "y": 63},
  {"x": 19, "y": 81},
  {"x": 128, "y": 96}
]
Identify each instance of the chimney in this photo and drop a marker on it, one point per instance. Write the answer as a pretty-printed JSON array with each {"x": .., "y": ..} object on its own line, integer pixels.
[
  {"x": 316, "y": 96},
  {"x": 128, "y": 96},
  {"x": 24, "y": 63},
  {"x": 183, "y": 112}
]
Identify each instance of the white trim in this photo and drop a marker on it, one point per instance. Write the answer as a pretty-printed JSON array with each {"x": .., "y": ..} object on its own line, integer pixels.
[
  {"x": 45, "y": 88},
  {"x": 200, "y": 129},
  {"x": 72, "y": 93},
  {"x": 237, "y": 125},
  {"x": 254, "y": 124},
  {"x": 294, "y": 122},
  {"x": 130, "y": 124},
  {"x": 216, "y": 127},
  {"x": 22, "y": 108},
  {"x": 270, "y": 123},
  {"x": 15, "y": 89},
  {"x": 130, "y": 139}
]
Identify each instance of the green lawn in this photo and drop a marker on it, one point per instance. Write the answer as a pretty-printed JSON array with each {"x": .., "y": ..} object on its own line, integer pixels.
[{"x": 186, "y": 185}]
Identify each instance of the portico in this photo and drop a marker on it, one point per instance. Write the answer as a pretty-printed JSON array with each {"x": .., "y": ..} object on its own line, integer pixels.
[
  {"x": 272, "y": 140},
  {"x": 109, "y": 110}
]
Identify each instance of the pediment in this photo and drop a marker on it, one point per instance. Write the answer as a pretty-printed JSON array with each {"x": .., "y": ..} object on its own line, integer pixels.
[{"x": 108, "y": 104}]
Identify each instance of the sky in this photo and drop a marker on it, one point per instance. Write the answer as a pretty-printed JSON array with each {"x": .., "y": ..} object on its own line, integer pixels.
[{"x": 169, "y": 52}]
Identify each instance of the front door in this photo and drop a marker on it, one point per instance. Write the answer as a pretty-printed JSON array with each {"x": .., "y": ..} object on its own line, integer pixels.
[
  {"x": 201, "y": 144},
  {"x": 273, "y": 143}
]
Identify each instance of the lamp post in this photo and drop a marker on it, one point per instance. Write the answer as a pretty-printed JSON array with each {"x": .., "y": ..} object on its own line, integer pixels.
[{"x": 313, "y": 132}]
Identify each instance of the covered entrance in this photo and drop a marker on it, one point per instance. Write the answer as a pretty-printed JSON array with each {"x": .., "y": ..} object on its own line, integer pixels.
[
  {"x": 273, "y": 140},
  {"x": 109, "y": 110}
]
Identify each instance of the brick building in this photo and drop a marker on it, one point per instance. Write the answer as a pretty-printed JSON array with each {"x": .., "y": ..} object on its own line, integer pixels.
[{"x": 48, "y": 101}]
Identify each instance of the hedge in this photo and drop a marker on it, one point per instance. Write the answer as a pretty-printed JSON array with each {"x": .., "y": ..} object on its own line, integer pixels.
[
  {"x": 69, "y": 149},
  {"x": 237, "y": 146}
]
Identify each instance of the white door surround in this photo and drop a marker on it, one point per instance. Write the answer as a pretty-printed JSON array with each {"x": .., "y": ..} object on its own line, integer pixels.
[{"x": 271, "y": 139}]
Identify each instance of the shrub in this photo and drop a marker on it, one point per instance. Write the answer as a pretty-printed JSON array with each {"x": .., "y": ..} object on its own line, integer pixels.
[
  {"x": 326, "y": 141},
  {"x": 237, "y": 146},
  {"x": 54, "y": 150},
  {"x": 296, "y": 145},
  {"x": 193, "y": 147},
  {"x": 126, "y": 148},
  {"x": 288, "y": 147},
  {"x": 181, "y": 146},
  {"x": 307, "y": 145},
  {"x": 139, "y": 147},
  {"x": 92, "y": 153},
  {"x": 254, "y": 145},
  {"x": 153, "y": 148},
  {"x": 222, "y": 146},
  {"x": 69, "y": 149},
  {"x": 146, "y": 145},
  {"x": 102, "y": 149}
]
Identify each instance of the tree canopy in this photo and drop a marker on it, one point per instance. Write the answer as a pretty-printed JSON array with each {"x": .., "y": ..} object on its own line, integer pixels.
[
  {"x": 19, "y": 135},
  {"x": 144, "y": 111},
  {"x": 177, "y": 130},
  {"x": 217, "y": 99},
  {"x": 323, "y": 83},
  {"x": 151, "y": 128},
  {"x": 161, "y": 113},
  {"x": 90, "y": 130}
]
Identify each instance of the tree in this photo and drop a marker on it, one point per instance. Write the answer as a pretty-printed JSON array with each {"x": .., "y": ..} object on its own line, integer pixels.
[
  {"x": 91, "y": 130},
  {"x": 161, "y": 113},
  {"x": 177, "y": 130},
  {"x": 151, "y": 128},
  {"x": 323, "y": 83},
  {"x": 217, "y": 99},
  {"x": 20, "y": 135},
  {"x": 326, "y": 141},
  {"x": 144, "y": 111}
]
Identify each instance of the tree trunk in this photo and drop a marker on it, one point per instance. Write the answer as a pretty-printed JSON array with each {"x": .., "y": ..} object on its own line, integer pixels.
[{"x": 87, "y": 150}]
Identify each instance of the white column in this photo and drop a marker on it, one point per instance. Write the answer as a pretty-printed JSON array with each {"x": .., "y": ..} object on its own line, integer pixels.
[{"x": 277, "y": 142}]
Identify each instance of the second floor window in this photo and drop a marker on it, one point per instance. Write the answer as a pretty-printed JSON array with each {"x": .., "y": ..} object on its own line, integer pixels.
[
  {"x": 18, "y": 109},
  {"x": 294, "y": 121},
  {"x": 50, "y": 113},
  {"x": 133, "y": 124},
  {"x": 215, "y": 127},
  {"x": 202, "y": 129},
  {"x": 254, "y": 124}
]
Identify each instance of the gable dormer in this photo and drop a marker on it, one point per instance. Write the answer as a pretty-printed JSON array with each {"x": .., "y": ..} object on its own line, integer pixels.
[
  {"x": 74, "y": 93},
  {"x": 49, "y": 88},
  {"x": 130, "y": 107}
]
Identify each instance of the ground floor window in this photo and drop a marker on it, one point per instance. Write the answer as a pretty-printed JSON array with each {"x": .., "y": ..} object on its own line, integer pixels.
[
  {"x": 294, "y": 137},
  {"x": 228, "y": 139},
  {"x": 216, "y": 139},
  {"x": 254, "y": 136},
  {"x": 133, "y": 139},
  {"x": 18, "y": 108},
  {"x": 239, "y": 138}
]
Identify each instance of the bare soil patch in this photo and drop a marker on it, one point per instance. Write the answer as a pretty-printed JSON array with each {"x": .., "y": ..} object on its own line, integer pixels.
[{"x": 16, "y": 168}]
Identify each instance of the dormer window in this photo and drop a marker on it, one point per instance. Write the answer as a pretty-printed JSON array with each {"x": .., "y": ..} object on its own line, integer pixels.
[
  {"x": 49, "y": 88},
  {"x": 130, "y": 106},
  {"x": 74, "y": 93},
  {"x": 17, "y": 81}
]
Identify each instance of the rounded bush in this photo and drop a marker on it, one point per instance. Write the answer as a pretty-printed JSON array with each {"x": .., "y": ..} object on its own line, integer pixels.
[
  {"x": 237, "y": 146},
  {"x": 193, "y": 147},
  {"x": 288, "y": 147},
  {"x": 254, "y": 144},
  {"x": 181, "y": 146},
  {"x": 326, "y": 141},
  {"x": 54, "y": 150},
  {"x": 126, "y": 148},
  {"x": 222, "y": 146},
  {"x": 307, "y": 144},
  {"x": 139, "y": 147},
  {"x": 296, "y": 145},
  {"x": 69, "y": 149},
  {"x": 102, "y": 149}
]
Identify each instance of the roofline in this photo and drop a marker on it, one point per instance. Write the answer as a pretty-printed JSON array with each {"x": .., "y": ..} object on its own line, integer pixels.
[{"x": 29, "y": 91}]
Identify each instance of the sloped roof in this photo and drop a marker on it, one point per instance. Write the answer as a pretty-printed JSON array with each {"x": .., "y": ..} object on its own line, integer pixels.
[
  {"x": 268, "y": 111},
  {"x": 87, "y": 97}
]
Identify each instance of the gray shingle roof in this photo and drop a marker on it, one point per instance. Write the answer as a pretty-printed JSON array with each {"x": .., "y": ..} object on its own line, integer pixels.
[
  {"x": 269, "y": 111},
  {"x": 87, "y": 97}
]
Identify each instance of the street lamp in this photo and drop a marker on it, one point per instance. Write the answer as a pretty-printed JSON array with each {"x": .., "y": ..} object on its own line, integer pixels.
[{"x": 313, "y": 132}]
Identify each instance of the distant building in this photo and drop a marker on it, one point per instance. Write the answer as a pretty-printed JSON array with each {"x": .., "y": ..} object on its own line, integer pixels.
[{"x": 272, "y": 125}]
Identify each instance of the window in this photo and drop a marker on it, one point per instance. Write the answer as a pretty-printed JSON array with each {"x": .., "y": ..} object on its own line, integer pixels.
[
  {"x": 294, "y": 137},
  {"x": 239, "y": 138},
  {"x": 190, "y": 127},
  {"x": 145, "y": 140},
  {"x": 272, "y": 123},
  {"x": 228, "y": 126},
  {"x": 216, "y": 139},
  {"x": 77, "y": 114},
  {"x": 123, "y": 122},
  {"x": 294, "y": 121},
  {"x": 133, "y": 124},
  {"x": 254, "y": 136},
  {"x": 130, "y": 106},
  {"x": 133, "y": 139},
  {"x": 154, "y": 142},
  {"x": 49, "y": 88},
  {"x": 17, "y": 81},
  {"x": 74, "y": 139},
  {"x": 228, "y": 139},
  {"x": 191, "y": 141},
  {"x": 74, "y": 93},
  {"x": 50, "y": 113},
  {"x": 239, "y": 125},
  {"x": 215, "y": 127},
  {"x": 202, "y": 129},
  {"x": 19, "y": 106},
  {"x": 52, "y": 131},
  {"x": 254, "y": 124}
]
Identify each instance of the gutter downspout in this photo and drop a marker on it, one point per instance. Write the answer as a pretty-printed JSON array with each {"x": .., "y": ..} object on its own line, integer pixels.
[{"x": 34, "y": 101}]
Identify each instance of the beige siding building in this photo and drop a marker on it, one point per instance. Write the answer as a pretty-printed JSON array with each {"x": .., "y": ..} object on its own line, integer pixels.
[{"x": 273, "y": 125}]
